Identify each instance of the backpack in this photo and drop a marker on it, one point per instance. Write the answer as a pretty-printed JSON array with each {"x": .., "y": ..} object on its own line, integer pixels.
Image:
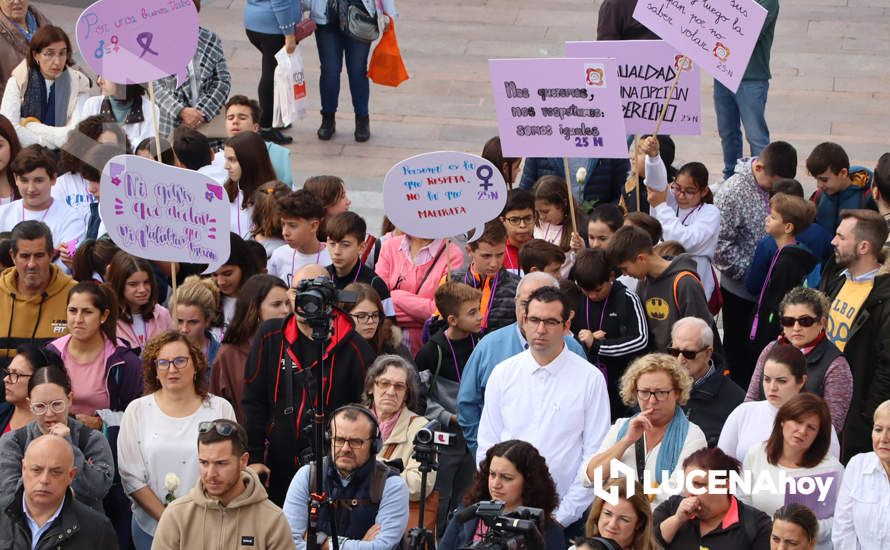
[
  {"x": 715, "y": 301},
  {"x": 355, "y": 20}
]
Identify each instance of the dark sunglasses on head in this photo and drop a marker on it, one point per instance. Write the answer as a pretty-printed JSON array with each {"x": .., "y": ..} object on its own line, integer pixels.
[
  {"x": 805, "y": 321},
  {"x": 223, "y": 428},
  {"x": 687, "y": 353}
]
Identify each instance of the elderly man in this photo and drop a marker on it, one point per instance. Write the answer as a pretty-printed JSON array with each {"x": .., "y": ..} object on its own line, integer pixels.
[
  {"x": 228, "y": 503},
  {"x": 280, "y": 385},
  {"x": 43, "y": 513},
  {"x": 34, "y": 293},
  {"x": 371, "y": 498},
  {"x": 713, "y": 395}
]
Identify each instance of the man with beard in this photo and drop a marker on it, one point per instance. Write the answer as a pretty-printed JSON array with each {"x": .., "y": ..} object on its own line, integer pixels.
[
  {"x": 228, "y": 503},
  {"x": 859, "y": 319}
]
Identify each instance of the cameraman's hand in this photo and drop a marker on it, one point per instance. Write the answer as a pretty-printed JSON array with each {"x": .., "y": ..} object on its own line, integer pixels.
[
  {"x": 372, "y": 533},
  {"x": 261, "y": 470}
]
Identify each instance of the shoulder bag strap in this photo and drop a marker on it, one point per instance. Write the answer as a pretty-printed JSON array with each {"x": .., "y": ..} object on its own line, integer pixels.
[{"x": 432, "y": 265}]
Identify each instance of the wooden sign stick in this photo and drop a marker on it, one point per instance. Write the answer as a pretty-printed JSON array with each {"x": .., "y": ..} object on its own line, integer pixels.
[
  {"x": 565, "y": 163},
  {"x": 683, "y": 64},
  {"x": 157, "y": 123}
]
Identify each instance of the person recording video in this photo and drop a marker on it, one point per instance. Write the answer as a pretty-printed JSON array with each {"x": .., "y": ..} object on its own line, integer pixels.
[{"x": 277, "y": 402}]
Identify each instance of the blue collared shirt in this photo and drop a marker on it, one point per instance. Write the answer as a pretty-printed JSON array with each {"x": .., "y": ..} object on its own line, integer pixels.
[
  {"x": 860, "y": 278},
  {"x": 38, "y": 531}
]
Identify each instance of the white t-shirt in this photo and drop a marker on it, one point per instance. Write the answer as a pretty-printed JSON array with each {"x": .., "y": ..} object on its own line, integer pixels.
[
  {"x": 152, "y": 445},
  {"x": 286, "y": 261},
  {"x": 71, "y": 189},
  {"x": 241, "y": 218},
  {"x": 65, "y": 223}
]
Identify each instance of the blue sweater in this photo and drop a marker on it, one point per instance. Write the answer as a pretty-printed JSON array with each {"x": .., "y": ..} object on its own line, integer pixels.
[
  {"x": 271, "y": 16},
  {"x": 495, "y": 347}
]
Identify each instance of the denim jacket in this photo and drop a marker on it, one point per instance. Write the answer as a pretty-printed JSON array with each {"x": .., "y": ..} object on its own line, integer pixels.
[{"x": 318, "y": 9}]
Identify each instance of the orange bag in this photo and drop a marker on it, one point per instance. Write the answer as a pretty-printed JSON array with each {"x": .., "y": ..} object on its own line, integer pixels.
[{"x": 386, "y": 67}]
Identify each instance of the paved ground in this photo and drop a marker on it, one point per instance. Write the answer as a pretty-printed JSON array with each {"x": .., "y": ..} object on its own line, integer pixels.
[{"x": 829, "y": 60}]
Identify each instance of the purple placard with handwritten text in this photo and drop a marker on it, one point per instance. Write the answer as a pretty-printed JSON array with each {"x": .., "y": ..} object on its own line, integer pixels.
[
  {"x": 558, "y": 107},
  {"x": 646, "y": 71},
  {"x": 131, "y": 42},
  {"x": 719, "y": 35},
  {"x": 161, "y": 212}
]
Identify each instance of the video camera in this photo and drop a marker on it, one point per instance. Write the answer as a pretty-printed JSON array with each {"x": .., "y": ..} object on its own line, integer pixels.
[
  {"x": 516, "y": 530},
  {"x": 314, "y": 301}
]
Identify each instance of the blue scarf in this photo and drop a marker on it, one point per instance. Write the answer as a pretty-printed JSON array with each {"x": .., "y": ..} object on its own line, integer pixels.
[
  {"x": 52, "y": 108},
  {"x": 671, "y": 443}
]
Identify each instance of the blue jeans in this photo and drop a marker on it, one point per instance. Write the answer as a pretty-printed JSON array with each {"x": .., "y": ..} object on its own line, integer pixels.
[
  {"x": 746, "y": 107},
  {"x": 333, "y": 44},
  {"x": 141, "y": 539}
]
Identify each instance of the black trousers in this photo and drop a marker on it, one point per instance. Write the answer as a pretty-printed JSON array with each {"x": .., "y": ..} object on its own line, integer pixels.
[
  {"x": 737, "y": 312},
  {"x": 268, "y": 45}
]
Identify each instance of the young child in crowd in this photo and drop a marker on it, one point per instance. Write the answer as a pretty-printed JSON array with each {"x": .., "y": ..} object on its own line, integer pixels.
[
  {"x": 248, "y": 166},
  {"x": 140, "y": 317},
  {"x": 232, "y": 275},
  {"x": 440, "y": 362},
  {"x": 788, "y": 268},
  {"x": 554, "y": 222},
  {"x": 540, "y": 255},
  {"x": 519, "y": 220},
  {"x": 839, "y": 185},
  {"x": 602, "y": 222},
  {"x": 301, "y": 213},
  {"x": 609, "y": 320},
  {"x": 266, "y": 216}
]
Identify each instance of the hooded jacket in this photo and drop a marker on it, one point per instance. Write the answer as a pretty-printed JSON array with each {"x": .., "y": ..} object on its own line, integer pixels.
[
  {"x": 275, "y": 408},
  {"x": 38, "y": 319},
  {"x": 858, "y": 195},
  {"x": 199, "y": 521}
]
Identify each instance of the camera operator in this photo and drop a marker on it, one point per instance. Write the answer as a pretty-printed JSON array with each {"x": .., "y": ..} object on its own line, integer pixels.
[
  {"x": 280, "y": 385},
  {"x": 513, "y": 472}
]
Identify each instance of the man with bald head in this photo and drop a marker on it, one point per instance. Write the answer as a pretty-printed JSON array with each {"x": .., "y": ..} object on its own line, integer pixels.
[
  {"x": 43, "y": 513},
  {"x": 280, "y": 385}
]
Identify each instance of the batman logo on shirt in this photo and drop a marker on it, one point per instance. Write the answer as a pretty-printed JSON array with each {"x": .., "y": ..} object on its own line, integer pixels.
[{"x": 657, "y": 308}]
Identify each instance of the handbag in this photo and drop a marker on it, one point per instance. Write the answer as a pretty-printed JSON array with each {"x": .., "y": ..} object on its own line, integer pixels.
[
  {"x": 304, "y": 29},
  {"x": 355, "y": 20},
  {"x": 386, "y": 66}
]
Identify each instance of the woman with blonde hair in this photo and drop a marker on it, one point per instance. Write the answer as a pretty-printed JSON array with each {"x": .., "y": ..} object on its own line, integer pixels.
[
  {"x": 627, "y": 522},
  {"x": 195, "y": 308},
  {"x": 660, "y": 432}
]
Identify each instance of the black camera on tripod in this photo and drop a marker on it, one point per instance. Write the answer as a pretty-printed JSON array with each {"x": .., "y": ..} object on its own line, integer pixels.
[
  {"x": 519, "y": 529},
  {"x": 315, "y": 300}
]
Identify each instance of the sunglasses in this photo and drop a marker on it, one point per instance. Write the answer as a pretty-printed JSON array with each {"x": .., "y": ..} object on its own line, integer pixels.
[
  {"x": 805, "y": 321},
  {"x": 687, "y": 353}
]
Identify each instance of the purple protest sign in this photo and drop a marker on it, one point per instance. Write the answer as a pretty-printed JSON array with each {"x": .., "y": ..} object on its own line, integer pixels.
[
  {"x": 443, "y": 194},
  {"x": 646, "y": 70},
  {"x": 161, "y": 212},
  {"x": 134, "y": 42},
  {"x": 558, "y": 107},
  {"x": 719, "y": 35}
]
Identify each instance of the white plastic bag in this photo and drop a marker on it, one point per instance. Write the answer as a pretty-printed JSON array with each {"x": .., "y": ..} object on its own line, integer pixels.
[{"x": 290, "y": 89}]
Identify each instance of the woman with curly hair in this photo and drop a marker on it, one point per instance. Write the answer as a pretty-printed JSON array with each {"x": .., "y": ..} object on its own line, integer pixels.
[
  {"x": 628, "y": 522},
  {"x": 157, "y": 455},
  {"x": 515, "y": 473}
]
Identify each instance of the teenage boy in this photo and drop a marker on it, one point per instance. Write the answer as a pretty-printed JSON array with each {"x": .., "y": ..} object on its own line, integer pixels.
[
  {"x": 743, "y": 201},
  {"x": 243, "y": 115},
  {"x": 669, "y": 290},
  {"x": 35, "y": 174},
  {"x": 346, "y": 244},
  {"x": 440, "y": 362},
  {"x": 519, "y": 220},
  {"x": 540, "y": 255},
  {"x": 840, "y": 186},
  {"x": 788, "y": 267},
  {"x": 486, "y": 272},
  {"x": 192, "y": 151},
  {"x": 300, "y": 215}
]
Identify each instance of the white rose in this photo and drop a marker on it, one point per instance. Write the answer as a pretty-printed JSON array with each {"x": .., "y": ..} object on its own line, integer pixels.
[
  {"x": 581, "y": 174},
  {"x": 171, "y": 482}
]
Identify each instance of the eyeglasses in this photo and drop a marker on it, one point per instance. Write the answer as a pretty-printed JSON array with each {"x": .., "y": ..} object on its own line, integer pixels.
[
  {"x": 365, "y": 317},
  {"x": 353, "y": 442},
  {"x": 687, "y": 353},
  {"x": 549, "y": 323},
  {"x": 805, "y": 321},
  {"x": 58, "y": 406},
  {"x": 659, "y": 395},
  {"x": 13, "y": 376},
  {"x": 520, "y": 221},
  {"x": 385, "y": 385},
  {"x": 680, "y": 191},
  {"x": 178, "y": 362},
  {"x": 49, "y": 54}
]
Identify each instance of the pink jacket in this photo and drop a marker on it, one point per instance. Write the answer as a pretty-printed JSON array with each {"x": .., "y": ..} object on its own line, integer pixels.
[
  {"x": 414, "y": 305},
  {"x": 159, "y": 322}
]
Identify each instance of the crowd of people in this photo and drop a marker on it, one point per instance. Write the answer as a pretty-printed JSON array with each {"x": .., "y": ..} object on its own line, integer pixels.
[{"x": 643, "y": 345}]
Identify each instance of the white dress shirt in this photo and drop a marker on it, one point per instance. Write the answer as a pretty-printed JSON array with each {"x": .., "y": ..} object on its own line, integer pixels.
[
  {"x": 863, "y": 506},
  {"x": 561, "y": 408}
]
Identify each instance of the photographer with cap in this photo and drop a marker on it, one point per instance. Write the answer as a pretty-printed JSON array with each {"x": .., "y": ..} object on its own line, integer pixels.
[
  {"x": 280, "y": 384},
  {"x": 370, "y": 498}
]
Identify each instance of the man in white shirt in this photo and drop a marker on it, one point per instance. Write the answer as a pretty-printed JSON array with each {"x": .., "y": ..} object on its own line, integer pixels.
[{"x": 551, "y": 398}]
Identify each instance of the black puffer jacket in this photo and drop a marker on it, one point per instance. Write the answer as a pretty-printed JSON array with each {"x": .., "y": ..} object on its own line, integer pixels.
[{"x": 503, "y": 308}]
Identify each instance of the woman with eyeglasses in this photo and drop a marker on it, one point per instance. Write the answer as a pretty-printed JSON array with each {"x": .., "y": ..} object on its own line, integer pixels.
[
  {"x": 262, "y": 297},
  {"x": 660, "y": 432},
  {"x": 803, "y": 313},
  {"x": 157, "y": 456},
  {"x": 392, "y": 392},
  {"x": 15, "y": 410},
  {"x": 49, "y": 397},
  {"x": 371, "y": 322}
]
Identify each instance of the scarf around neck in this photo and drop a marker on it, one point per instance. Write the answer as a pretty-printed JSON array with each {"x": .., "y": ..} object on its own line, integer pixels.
[
  {"x": 671, "y": 443},
  {"x": 35, "y": 102}
]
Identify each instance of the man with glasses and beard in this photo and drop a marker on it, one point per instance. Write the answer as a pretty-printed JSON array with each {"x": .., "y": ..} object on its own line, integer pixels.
[{"x": 228, "y": 503}]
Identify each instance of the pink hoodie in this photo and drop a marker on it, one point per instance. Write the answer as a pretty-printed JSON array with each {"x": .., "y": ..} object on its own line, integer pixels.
[{"x": 159, "y": 322}]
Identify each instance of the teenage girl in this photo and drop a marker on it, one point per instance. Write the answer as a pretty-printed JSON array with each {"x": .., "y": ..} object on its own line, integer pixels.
[
  {"x": 9, "y": 148},
  {"x": 195, "y": 306},
  {"x": 140, "y": 317},
  {"x": 266, "y": 218},
  {"x": 232, "y": 275},
  {"x": 508, "y": 166},
  {"x": 331, "y": 193},
  {"x": 248, "y": 165}
]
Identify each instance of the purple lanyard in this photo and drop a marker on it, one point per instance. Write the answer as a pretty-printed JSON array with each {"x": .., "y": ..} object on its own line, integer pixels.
[
  {"x": 691, "y": 212},
  {"x": 454, "y": 355},
  {"x": 602, "y": 313},
  {"x": 769, "y": 275}
]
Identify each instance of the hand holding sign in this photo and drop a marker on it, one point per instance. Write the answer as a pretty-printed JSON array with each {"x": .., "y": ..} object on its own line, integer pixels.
[
  {"x": 160, "y": 212},
  {"x": 132, "y": 42},
  {"x": 443, "y": 194}
]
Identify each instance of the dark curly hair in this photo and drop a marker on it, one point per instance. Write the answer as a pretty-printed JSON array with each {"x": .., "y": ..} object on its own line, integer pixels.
[{"x": 538, "y": 488}]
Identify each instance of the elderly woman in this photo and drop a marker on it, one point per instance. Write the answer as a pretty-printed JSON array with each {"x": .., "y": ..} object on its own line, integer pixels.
[
  {"x": 797, "y": 449},
  {"x": 18, "y": 23},
  {"x": 627, "y": 522},
  {"x": 44, "y": 95},
  {"x": 660, "y": 432},
  {"x": 392, "y": 389},
  {"x": 863, "y": 502},
  {"x": 803, "y": 313}
]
